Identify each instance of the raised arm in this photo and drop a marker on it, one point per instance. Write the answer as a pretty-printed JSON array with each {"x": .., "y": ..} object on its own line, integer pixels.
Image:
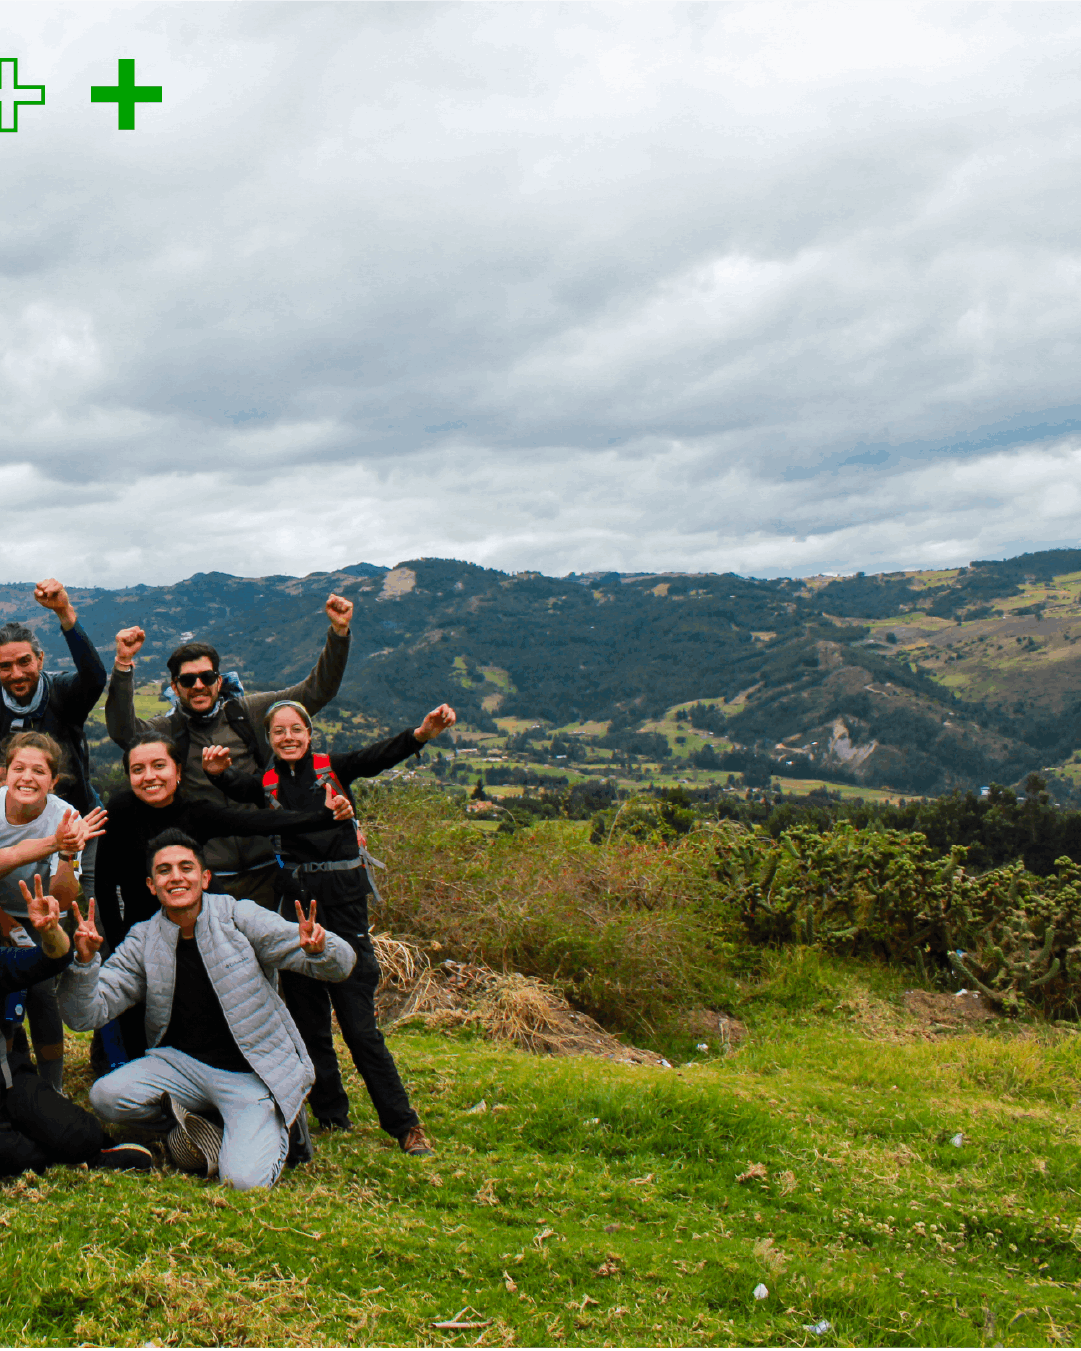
[
  {"x": 120, "y": 720},
  {"x": 372, "y": 760},
  {"x": 80, "y": 689},
  {"x": 325, "y": 677}
]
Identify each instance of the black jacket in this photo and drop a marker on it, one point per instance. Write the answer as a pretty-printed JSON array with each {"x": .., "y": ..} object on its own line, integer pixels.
[
  {"x": 72, "y": 695},
  {"x": 121, "y": 864},
  {"x": 298, "y": 789}
]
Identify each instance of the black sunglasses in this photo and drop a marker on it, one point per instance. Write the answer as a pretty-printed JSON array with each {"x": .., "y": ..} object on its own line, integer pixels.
[{"x": 190, "y": 679}]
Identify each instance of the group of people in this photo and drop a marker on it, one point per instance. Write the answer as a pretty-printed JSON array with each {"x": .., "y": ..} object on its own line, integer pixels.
[{"x": 225, "y": 891}]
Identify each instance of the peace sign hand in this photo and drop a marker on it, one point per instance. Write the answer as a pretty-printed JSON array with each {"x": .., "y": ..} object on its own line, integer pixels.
[
  {"x": 87, "y": 939},
  {"x": 313, "y": 937},
  {"x": 44, "y": 911}
]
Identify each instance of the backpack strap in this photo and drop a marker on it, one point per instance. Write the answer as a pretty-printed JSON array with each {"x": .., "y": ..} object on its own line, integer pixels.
[
  {"x": 236, "y": 715},
  {"x": 324, "y": 774},
  {"x": 178, "y": 731}
]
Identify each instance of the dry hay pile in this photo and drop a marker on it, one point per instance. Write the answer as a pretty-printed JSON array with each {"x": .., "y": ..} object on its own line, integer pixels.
[
  {"x": 938, "y": 1013},
  {"x": 505, "y": 1006}
]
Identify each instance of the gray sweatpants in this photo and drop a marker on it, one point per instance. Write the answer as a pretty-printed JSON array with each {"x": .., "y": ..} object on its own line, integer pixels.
[{"x": 256, "y": 1139}]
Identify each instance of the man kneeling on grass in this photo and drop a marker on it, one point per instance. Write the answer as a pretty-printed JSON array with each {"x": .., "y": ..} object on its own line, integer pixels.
[{"x": 219, "y": 1035}]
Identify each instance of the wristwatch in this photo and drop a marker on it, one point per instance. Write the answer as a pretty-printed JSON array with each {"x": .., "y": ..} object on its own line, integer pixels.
[{"x": 67, "y": 858}]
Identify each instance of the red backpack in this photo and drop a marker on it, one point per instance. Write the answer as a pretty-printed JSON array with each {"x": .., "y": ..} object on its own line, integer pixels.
[{"x": 323, "y": 775}]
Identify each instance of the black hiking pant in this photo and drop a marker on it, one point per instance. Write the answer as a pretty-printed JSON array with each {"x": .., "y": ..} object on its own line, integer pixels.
[
  {"x": 39, "y": 1126},
  {"x": 353, "y": 1000}
]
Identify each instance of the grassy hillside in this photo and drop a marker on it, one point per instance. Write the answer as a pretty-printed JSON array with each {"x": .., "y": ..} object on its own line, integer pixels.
[
  {"x": 593, "y": 1204},
  {"x": 878, "y": 1153}
]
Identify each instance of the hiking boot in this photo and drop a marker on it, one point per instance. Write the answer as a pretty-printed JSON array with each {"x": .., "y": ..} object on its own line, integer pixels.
[
  {"x": 335, "y": 1123},
  {"x": 300, "y": 1141},
  {"x": 124, "y": 1158},
  {"x": 415, "y": 1143}
]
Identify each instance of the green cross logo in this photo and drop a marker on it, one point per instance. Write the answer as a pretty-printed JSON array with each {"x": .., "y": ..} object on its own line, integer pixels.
[
  {"x": 12, "y": 93},
  {"x": 125, "y": 94}
]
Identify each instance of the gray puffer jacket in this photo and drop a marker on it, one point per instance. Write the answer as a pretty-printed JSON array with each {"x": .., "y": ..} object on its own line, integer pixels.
[{"x": 242, "y": 946}]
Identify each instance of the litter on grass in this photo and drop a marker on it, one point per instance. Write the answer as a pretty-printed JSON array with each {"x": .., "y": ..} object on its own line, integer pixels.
[
  {"x": 760, "y": 1291},
  {"x": 817, "y": 1329},
  {"x": 957, "y": 1140}
]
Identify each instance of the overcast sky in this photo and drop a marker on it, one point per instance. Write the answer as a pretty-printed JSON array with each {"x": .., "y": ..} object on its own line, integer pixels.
[{"x": 773, "y": 288}]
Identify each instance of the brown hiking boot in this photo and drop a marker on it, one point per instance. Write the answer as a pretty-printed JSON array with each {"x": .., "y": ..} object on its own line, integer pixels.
[{"x": 416, "y": 1143}]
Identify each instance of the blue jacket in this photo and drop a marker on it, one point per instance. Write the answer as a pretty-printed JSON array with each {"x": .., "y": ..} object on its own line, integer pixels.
[{"x": 19, "y": 968}]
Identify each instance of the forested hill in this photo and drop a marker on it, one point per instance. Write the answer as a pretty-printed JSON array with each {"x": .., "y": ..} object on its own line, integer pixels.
[{"x": 919, "y": 681}]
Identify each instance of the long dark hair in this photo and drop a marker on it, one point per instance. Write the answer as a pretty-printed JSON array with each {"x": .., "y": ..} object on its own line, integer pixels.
[{"x": 172, "y": 750}]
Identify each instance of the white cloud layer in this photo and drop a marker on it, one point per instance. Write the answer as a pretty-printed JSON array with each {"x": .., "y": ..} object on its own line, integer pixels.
[{"x": 557, "y": 287}]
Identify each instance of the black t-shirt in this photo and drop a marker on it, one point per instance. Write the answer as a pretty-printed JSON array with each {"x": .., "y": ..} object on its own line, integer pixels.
[{"x": 197, "y": 1025}]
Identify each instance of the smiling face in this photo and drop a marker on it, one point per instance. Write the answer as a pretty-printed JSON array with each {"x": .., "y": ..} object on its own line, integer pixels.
[
  {"x": 153, "y": 774},
  {"x": 177, "y": 879},
  {"x": 20, "y": 670},
  {"x": 195, "y": 694},
  {"x": 288, "y": 735},
  {"x": 30, "y": 780}
]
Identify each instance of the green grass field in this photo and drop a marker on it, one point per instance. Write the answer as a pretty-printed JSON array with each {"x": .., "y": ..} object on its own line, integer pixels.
[{"x": 594, "y": 1204}]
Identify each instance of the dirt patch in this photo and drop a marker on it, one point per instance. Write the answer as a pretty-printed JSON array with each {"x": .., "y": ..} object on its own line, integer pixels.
[
  {"x": 504, "y": 1006},
  {"x": 717, "y": 1028},
  {"x": 949, "y": 1012}
]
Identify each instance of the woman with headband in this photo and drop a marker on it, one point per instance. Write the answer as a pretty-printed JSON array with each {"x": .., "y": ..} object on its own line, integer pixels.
[{"x": 327, "y": 866}]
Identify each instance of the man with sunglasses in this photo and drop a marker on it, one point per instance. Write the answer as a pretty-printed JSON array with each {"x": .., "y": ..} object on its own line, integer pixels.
[{"x": 205, "y": 715}]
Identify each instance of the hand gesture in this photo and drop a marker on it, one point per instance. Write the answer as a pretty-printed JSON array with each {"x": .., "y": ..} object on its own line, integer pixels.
[
  {"x": 69, "y": 838},
  {"x": 74, "y": 830},
  {"x": 340, "y": 613},
  {"x": 92, "y": 825},
  {"x": 313, "y": 937},
  {"x": 128, "y": 643},
  {"x": 216, "y": 759},
  {"x": 87, "y": 939},
  {"x": 339, "y": 804},
  {"x": 44, "y": 911},
  {"x": 52, "y": 595},
  {"x": 438, "y": 720}
]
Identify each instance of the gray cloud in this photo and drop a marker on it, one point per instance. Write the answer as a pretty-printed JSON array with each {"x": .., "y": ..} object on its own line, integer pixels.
[{"x": 688, "y": 287}]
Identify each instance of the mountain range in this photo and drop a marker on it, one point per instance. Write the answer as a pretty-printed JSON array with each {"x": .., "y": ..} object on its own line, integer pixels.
[{"x": 921, "y": 681}]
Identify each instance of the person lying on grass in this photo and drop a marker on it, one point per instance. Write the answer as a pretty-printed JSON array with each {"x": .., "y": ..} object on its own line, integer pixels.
[
  {"x": 328, "y": 865},
  {"x": 38, "y": 1126},
  {"x": 219, "y": 1035}
]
